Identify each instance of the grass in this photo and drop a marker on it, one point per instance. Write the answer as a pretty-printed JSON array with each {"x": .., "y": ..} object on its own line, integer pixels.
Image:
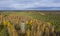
[{"x": 53, "y": 18}]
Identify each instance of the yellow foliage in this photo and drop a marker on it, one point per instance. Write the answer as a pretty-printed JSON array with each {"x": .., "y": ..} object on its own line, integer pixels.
[
  {"x": 9, "y": 25},
  {"x": 48, "y": 23},
  {"x": 26, "y": 22},
  {"x": 30, "y": 22},
  {"x": 6, "y": 23},
  {"x": 52, "y": 29}
]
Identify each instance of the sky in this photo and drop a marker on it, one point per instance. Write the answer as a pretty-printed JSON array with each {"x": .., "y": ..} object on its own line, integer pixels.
[{"x": 29, "y": 4}]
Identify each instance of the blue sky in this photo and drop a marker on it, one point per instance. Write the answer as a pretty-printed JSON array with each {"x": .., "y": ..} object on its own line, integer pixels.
[{"x": 29, "y": 4}]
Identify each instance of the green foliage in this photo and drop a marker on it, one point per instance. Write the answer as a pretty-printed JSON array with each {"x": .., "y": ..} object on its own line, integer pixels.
[
  {"x": 3, "y": 32},
  {"x": 1, "y": 27},
  {"x": 53, "y": 18}
]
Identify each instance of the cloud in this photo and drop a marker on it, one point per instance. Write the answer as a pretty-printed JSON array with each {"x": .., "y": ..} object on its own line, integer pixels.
[{"x": 27, "y": 4}]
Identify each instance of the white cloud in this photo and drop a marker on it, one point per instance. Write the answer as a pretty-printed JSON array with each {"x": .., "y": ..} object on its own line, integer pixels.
[
  {"x": 24, "y": 4},
  {"x": 41, "y": 3}
]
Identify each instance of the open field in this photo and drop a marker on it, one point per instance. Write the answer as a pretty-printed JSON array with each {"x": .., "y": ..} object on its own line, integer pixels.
[{"x": 46, "y": 22}]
